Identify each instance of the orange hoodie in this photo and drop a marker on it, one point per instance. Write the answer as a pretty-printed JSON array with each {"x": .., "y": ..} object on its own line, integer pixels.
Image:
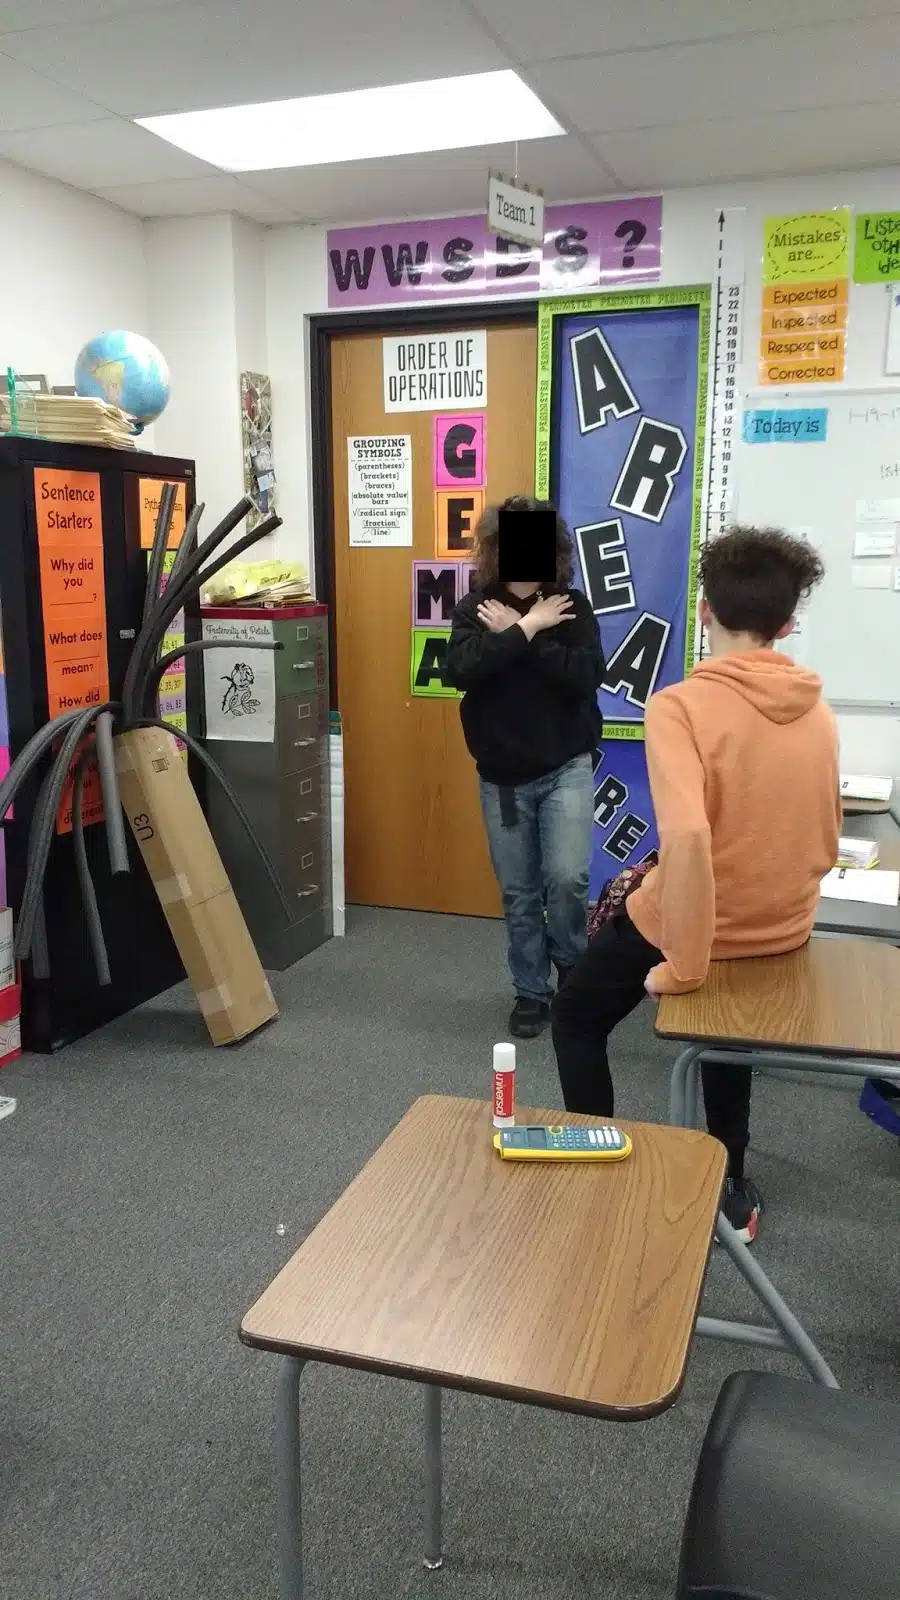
[{"x": 743, "y": 765}]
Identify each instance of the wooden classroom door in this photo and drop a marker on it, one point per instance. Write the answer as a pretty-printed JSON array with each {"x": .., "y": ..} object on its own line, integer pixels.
[{"x": 413, "y": 832}]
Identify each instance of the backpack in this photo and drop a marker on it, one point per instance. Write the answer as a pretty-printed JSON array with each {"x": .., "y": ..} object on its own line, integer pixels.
[{"x": 611, "y": 900}]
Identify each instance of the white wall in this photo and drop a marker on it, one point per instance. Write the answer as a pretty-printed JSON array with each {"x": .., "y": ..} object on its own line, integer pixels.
[
  {"x": 72, "y": 266},
  {"x": 297, "y": 288}
]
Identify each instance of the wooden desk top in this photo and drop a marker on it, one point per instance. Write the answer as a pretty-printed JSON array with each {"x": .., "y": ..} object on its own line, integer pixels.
[
  {"x": 834, "y": 997},
  {"x": 574, "y": 1286}
]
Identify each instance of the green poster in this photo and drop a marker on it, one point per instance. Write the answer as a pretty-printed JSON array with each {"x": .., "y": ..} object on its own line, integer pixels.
[
  {"x": 428, "y": 654},
  {"x": 806, "y": 247},
  {"x": 876, "y": 258}
]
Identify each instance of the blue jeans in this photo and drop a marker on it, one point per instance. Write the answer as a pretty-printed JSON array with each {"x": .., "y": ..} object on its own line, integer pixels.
[{"x": 540, "y": 855}]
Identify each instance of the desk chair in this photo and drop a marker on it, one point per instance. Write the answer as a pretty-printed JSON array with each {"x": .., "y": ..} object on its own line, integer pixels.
[
  {"x": 832, "y": 1007},
  {"x": 795, "y": 1496}
]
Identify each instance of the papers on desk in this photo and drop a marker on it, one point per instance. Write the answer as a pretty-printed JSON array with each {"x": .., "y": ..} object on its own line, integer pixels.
[
  {"x": 857, "y": 852},
  {"x": 860, "y": 786},
  {"x": 875, "y": 887}
]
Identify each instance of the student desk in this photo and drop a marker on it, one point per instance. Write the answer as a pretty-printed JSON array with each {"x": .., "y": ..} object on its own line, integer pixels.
[
  {"x": 828, "y": 1008},
  {"x": 857, "y": 917},
  {"x": 568, "y": 1285}
]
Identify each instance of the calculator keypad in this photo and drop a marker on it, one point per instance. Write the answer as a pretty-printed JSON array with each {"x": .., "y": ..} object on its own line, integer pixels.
[{"x": 589, "y": 1140}]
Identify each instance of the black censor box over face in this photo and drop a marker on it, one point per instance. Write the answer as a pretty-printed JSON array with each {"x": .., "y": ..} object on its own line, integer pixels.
[{"x": 526, "y": 546}]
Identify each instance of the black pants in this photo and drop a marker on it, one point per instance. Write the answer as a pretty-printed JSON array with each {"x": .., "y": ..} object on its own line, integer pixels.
[{"x": 604, "y": 987}]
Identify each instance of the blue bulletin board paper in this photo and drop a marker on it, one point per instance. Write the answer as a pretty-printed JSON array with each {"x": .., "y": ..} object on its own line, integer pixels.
[{"x": 621, "y": 415}]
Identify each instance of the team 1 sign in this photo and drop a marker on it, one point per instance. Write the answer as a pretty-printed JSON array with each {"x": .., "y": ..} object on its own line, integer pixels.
[
  {"x": 435, "y": 372},
  {"x": 603, "y": 244}
]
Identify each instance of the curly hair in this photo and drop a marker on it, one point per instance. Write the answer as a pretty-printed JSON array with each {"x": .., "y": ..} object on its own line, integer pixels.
[
  {"x": 485, "y": 551},
  {"x": 754, "y": 579}
]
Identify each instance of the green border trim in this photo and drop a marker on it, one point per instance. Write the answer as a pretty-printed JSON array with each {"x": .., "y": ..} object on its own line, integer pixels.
[{"x": 699, "y": 295}]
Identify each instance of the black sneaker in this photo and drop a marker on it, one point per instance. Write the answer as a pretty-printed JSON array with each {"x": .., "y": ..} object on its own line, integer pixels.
[
  {"x": 741, "y": 1206},
  {"x": 528, "y": 1018}
]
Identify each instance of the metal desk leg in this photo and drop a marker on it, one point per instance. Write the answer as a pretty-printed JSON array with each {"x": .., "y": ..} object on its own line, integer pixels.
[
  {"x": 433, "y": 1553},
  {"x": 287, "y": 1462},
  {"x": 795, "y": 1336},
  {"x": 683, "y": 1087}
]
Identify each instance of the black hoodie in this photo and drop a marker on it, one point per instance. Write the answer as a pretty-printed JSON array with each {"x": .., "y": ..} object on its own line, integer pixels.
[{"x": 530, "y": 705}]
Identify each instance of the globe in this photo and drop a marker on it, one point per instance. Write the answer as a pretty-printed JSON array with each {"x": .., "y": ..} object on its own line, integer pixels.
[{"x": 126, "y": 370}]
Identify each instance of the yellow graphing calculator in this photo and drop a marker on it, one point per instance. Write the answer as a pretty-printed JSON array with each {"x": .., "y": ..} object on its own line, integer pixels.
[{"x": 602, "y": 1143}]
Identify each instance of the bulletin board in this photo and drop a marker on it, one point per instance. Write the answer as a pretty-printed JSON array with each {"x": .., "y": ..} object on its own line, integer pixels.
[
  {"x": 621, "y": 416},
  {"x": 831, "y": 472}
]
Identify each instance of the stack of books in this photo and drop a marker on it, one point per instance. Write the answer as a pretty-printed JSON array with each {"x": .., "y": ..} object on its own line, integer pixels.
[{"x": 68, "y": 419}]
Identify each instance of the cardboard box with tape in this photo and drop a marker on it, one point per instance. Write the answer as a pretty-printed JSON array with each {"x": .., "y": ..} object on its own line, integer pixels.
[{"x": 204, "y": 917}]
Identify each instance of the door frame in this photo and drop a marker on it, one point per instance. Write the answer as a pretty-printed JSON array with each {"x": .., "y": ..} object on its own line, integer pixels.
[{"x": 325, "y": 326}]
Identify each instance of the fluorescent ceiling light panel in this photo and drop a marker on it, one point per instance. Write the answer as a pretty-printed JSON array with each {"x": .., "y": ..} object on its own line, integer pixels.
[{"x": 405, "y": 119}]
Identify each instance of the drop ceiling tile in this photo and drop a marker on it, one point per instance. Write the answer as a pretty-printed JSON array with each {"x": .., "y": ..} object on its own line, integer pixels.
[
  {"x": 755, "y": 147},
  {"x": 185, "y": 197},
  {"x": 538, "y": 32},
  {"x": 17, "y": 15},
  {"x": 799, "y": 70},
  {"x": 94, "y": 155},
  {"x": 28, "y": 100},
  {"x": 437, "y": 184},
  {"x": 190, "y": 57}
]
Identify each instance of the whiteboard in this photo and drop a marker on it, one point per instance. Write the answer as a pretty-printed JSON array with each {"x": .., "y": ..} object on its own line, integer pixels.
[{"x": 852, "y": 634}]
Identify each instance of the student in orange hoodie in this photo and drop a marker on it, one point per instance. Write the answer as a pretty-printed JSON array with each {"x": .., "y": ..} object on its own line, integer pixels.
[{"x": 743, "y": 765}]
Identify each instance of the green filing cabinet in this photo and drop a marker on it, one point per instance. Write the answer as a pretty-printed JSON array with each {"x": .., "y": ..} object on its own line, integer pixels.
[{"x": 266, "y": 723}]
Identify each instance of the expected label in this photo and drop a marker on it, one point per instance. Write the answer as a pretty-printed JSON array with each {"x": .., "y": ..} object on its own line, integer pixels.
[
  {"x": 379, "y": 490},
  {"x": 149, "y": 492},
  {"x": 434, "y": 371}
]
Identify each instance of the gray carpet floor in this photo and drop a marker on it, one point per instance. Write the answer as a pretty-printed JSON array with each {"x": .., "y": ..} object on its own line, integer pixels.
[{"x": 150, "y": 1186}]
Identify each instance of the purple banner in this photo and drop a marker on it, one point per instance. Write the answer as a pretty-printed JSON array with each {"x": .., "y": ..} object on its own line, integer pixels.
[{"x": 606, "y": 244}]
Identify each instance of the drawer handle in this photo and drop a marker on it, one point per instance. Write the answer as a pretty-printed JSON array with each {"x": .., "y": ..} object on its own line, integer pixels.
[
  {"x": 309, "y": 816},
  {"x": 303, "y": 894},
  {"x": 301, "y": 666},
  {"x": 300, "y": 744}
]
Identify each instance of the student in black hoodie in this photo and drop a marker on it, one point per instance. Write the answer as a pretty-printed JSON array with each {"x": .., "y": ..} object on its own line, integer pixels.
[{"x": 529, "y": 659}]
